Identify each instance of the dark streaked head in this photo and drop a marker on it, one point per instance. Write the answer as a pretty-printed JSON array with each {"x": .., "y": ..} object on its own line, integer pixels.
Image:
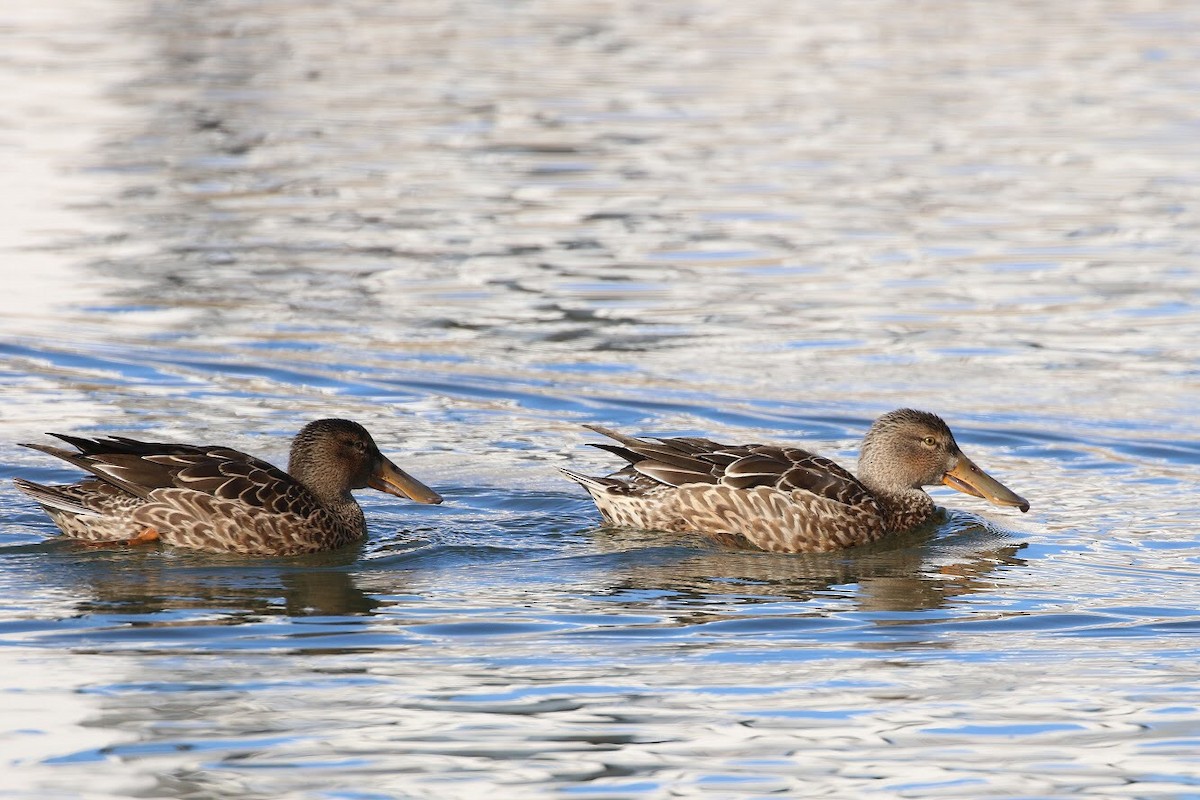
[{"x": 332, "y": 456}]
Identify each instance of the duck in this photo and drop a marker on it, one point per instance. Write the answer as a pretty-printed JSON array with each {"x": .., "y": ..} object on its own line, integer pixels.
[
  {"x": 217, "y": 499},
  {"x": 785, "y": 499}
]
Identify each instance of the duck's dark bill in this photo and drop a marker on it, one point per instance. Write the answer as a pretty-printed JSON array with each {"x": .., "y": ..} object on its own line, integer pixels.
[
  {"x": 970, "y": 479},
  {"x": 393, "y": 480}
]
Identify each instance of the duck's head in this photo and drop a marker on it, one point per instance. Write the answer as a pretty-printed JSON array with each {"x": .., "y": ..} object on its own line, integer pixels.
[
  {"x": 907, "y": 449},
  {"x": 333, "y": 456}
]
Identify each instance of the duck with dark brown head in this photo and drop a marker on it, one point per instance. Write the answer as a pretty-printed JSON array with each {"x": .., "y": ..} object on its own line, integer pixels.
[{"x": 222, "y": 500}]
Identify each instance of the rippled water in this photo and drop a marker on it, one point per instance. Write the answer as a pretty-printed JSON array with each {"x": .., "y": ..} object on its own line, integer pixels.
[{"x": 474, "y": 226}]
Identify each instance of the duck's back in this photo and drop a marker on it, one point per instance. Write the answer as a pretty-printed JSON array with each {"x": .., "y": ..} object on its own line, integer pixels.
[{"x": 784, "y": 499}]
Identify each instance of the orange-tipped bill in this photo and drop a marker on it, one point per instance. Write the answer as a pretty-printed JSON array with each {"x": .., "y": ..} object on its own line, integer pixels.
[
  {"x": 970, "y": 479},
  {"x": 393, "y": 480}
]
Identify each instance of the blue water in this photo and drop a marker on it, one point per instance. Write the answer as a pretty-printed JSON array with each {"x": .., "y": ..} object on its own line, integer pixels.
[{"x": 475, "y": 228}]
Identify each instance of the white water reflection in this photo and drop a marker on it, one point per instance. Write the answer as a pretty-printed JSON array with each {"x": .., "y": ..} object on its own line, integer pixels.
[{"x": 54, "y": 122}]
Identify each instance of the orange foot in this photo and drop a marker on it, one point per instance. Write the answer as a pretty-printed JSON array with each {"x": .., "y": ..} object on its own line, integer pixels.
[{"x": 145, "y": 537}]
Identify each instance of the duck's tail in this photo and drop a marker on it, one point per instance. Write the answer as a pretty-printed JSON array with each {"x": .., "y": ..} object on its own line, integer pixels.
[
  {"x": 50, "y": 498},
  {"x": 586, "y": 481}
]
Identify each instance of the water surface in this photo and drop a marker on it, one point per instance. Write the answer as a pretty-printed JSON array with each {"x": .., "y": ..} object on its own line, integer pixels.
[{"x": 475, "y": 226}]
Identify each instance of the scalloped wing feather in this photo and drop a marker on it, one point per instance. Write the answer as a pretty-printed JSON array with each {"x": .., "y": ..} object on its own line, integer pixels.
[
  {"x": 824, "y": 478},
  {"x": 671, "y": 475},
  {"x": 139, "y": 468},
  {"x": 688, "y": 460},
  {"x": 679, "y": 455},
  {"x": 231, "y": 475}
]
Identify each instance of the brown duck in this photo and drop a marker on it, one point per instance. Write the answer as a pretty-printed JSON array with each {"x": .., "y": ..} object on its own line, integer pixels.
[
  {"x": 222, "y": 500},
  {"x": 786, "y": 499}
]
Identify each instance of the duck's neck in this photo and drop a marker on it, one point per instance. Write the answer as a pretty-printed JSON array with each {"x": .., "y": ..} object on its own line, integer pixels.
[
  {"x": 349, "y": 512},
  {"x": 336, "y": 500},
  {"x": 905, "y": 509},
  {"x": 344, "y": 509},
  {"x": 903, "y": 506},
  {"x": 306, "y": 466}
]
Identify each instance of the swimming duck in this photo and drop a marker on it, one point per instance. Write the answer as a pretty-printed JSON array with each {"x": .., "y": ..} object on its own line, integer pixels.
[
  {"x": 222, "y": 500},
  {"x": 785, "y": 499}
]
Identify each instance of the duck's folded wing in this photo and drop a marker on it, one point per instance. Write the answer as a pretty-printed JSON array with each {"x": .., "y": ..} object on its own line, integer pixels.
[
  {"x": 821, "y": 476},
  {"x": 232, "y": 475},
  {"x": 673, "y": 462},
  {"x": 790, "y": 469},
  {"x": 140, "y": 468},
  {"x": 688, "y": 460}
]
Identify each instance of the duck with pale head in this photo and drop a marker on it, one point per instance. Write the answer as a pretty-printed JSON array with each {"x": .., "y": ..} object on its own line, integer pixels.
[{"x": 786, "y": 499}]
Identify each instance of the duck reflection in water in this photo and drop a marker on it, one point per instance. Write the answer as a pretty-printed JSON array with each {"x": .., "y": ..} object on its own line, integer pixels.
[
  {"x": 228, "y": 588},
  {"x": 952, "y": 555}
]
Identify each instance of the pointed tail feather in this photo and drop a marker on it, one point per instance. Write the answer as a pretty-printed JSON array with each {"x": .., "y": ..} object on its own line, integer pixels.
[
  {"x": 110, "y": 468},
  {"x": 628, "y": 441},
  {"x": 50, "y": 498},
  {"x": 57, "y": 452},
  {"x": 586, "y": 481}
]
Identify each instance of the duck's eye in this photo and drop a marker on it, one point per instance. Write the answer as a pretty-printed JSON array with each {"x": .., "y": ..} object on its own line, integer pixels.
[{"x": 929, "y": 441}]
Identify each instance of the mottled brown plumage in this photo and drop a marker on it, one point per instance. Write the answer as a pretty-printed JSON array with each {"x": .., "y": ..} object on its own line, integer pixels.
[
  {"x": 222, "y": 500},
  {"x": 786, "y": 499}
]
